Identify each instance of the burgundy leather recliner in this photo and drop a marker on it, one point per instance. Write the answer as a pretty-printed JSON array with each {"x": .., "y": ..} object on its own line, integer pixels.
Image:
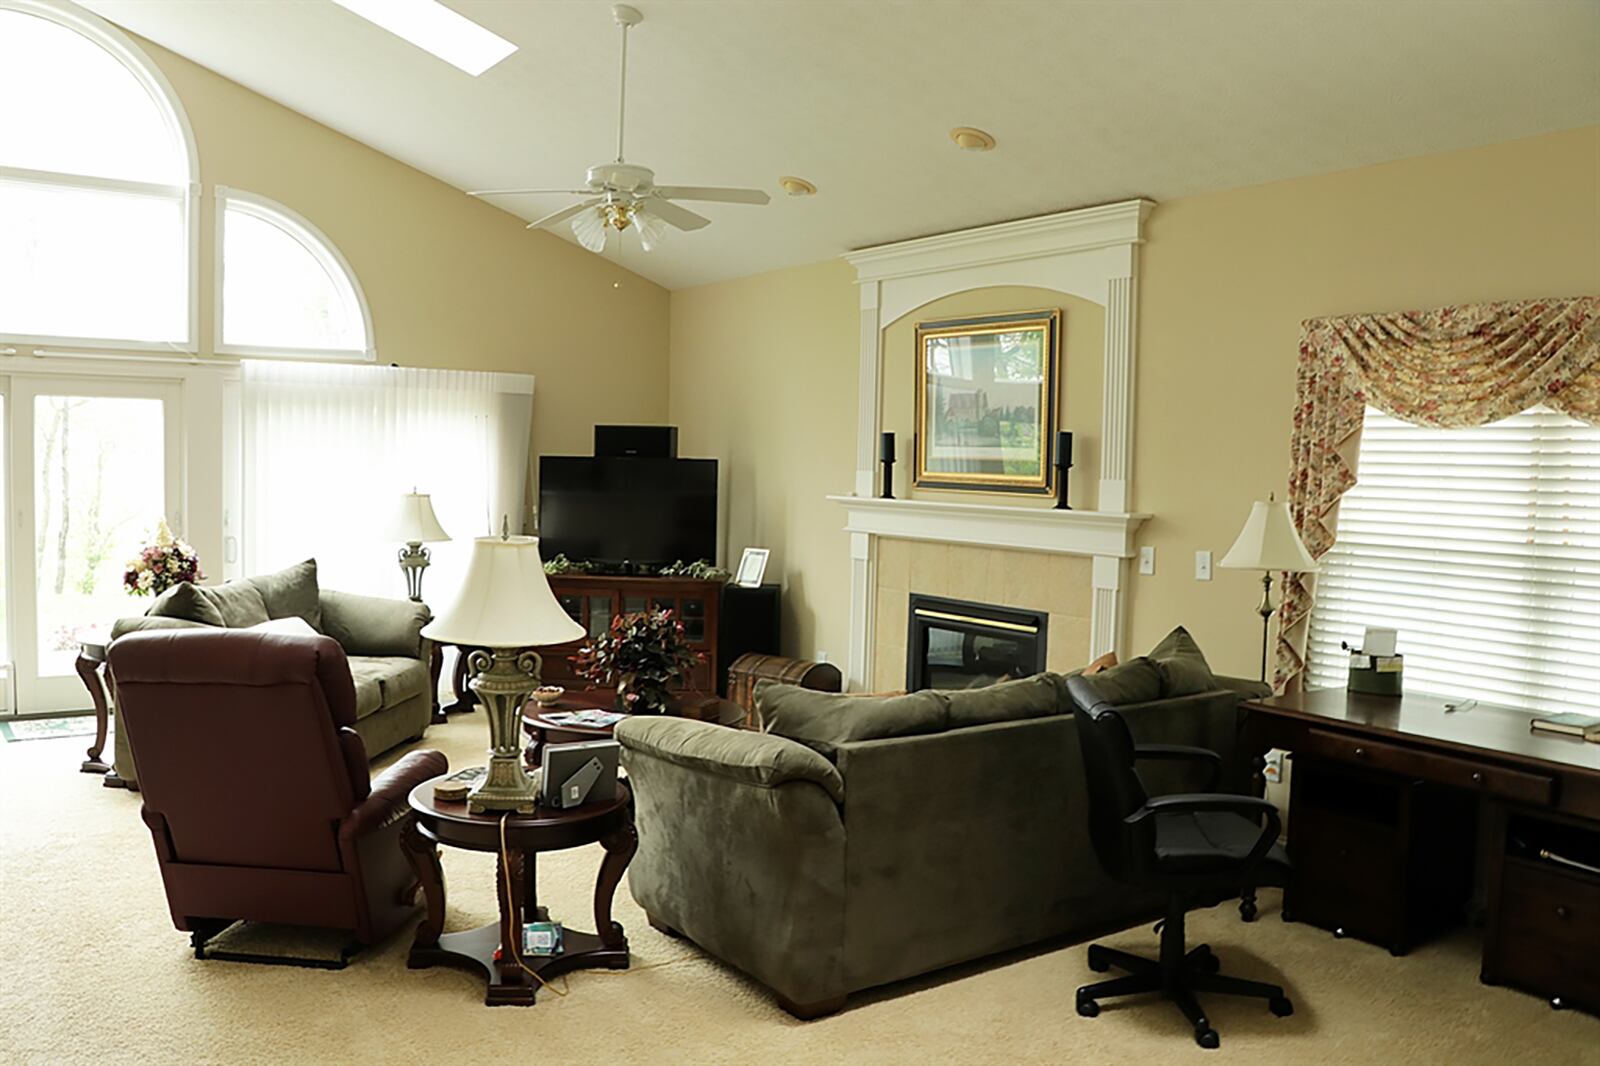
[{"x": 255, "y": 785}]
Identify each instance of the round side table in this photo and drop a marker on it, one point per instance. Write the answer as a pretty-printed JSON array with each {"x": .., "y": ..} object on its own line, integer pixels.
[{"x": 489, "y": 948}]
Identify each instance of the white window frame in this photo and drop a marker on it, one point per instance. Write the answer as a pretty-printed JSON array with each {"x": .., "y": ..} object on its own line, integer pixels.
[
  {"x": 154, "y": 82},
  {"x": 322, "y": 249}
]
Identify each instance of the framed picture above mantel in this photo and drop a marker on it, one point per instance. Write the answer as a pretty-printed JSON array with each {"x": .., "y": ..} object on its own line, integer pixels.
[{"x": 987, "y": 402}]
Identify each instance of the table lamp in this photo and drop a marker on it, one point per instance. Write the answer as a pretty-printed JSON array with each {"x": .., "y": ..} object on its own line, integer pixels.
[
  {"x": 1268, "y": 542},
  {"x": 506, "y": 606},
  {"x": 413, "y": 522}
]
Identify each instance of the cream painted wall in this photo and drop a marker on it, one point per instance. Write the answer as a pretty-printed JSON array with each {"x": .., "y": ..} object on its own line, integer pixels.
[
  {"x": 1078, "y": 390},
  {"x": 763, "y": 369},
  {"x": 451, "y": 282}
]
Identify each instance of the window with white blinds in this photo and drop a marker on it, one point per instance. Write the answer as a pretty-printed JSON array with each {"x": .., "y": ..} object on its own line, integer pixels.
[{"x": 1482, "y": 547}]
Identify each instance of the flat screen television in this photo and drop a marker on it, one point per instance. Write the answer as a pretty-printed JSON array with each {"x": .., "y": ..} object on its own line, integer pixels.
[{"x": 617, "y": 509}]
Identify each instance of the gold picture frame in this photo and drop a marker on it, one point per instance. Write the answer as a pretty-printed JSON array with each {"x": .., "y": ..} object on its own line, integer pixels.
[{"x": 987, "y": 403}]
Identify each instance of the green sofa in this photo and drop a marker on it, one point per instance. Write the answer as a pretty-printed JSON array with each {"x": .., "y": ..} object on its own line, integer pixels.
[
  {"x": 859, "y": 841},
  {"x": 390, "y": 660}
]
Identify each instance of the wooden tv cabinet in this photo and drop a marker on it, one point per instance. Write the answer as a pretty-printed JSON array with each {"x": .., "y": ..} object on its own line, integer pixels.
[{"x": 593, "y": 600}]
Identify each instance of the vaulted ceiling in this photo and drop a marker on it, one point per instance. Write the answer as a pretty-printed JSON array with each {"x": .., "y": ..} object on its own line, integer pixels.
[{"x": 1090, "y": 100}]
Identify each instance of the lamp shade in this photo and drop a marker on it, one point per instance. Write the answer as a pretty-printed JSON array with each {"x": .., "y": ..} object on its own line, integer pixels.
[
  {"x": 505, "y": 600},
  {"x": 1269, "y": 541},
  {"x": 413, "y": 520}
]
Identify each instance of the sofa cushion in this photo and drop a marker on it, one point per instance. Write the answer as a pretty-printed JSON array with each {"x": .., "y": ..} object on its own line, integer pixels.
[
  {"x": 765, "y": 761},
  {"x": 824, "y": 720},
  {"x": 367, "y": 674},
  {"x": 184, "y": 601},
  {"x": 1184, "y": 671},
  {"x": 403, "y": 677},
  {"x": 1009, "y": 701},
  {"x": 293, "y": 626},
  {"x": 374, "y": 625},
  {"x": 1135, "y": 681},
  {"x": 291, "y": 591}
]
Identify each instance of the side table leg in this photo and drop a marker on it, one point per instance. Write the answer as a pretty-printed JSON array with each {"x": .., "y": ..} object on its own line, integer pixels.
[
  {"x": 435, "y": 668},
  {"x": 465, "y": 700},
  {"x": 89, "y": 673},
  {"x": 423, "y": 854},
  {"x": 511, "y": 887},
  {"x": 620, "y": 847}
]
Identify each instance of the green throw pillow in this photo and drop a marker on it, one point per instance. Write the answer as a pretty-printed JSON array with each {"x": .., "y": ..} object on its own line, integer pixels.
[
  {"x": 824, "y": 720},
  {"x": 1009, "y": 701},
  {"x": 237, "y": 602},
  {"x": 1184, "y": 671},
  {"x": 1135, "y": 681},
  {"x": 292, "y": 591},
  {"x": 185, "y": 601}
]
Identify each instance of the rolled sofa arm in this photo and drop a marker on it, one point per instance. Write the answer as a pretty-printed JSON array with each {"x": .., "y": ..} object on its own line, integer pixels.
[
  {"x": 375, "y": 625},
  {"x": 759, "y": 759},
  {"x": 1247, "y": 688},
  {"x": 141, "y": 623}
]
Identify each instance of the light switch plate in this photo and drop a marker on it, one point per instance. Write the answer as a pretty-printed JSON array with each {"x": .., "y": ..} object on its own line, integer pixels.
[
  {"x": 1202, "y": 566},
  {"x": 1147, "y": 560}
]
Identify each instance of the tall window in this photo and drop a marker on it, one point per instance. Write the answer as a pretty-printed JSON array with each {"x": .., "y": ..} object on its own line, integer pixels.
[
  {"x": 96, "y": 187},
  {"x": 1482, "y": 547},
  {"x": 284, "y": 287}
]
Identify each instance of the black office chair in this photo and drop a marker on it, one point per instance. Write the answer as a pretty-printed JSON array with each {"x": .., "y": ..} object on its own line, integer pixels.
[{"x": 1198, "y": 848}]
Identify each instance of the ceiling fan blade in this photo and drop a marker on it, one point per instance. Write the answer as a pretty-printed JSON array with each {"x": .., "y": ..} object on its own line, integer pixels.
[
  {"x": 563, "y": 214},
  {"x": 712, "y": 194},
  {"x": 673, "y": 215},
  {"x": 528, "y": 192}
]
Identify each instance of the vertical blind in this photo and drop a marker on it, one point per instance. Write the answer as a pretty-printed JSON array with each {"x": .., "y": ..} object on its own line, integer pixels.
[{"x": 1482, "y": 547}]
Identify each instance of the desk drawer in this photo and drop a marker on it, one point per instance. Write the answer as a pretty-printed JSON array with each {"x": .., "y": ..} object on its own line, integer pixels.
[
  {"x": 1549, "y": 931},
  {"x": 1537, "y": 790}
]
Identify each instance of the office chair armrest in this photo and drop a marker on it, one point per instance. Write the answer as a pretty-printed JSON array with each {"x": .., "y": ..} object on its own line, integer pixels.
[
  {"x": 1183, "y": 752},
  {"x": 1192, "y": 802}
]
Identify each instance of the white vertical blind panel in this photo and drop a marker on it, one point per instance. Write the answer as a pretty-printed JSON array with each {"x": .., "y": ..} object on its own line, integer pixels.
[{"x": 1482, "y": 547}]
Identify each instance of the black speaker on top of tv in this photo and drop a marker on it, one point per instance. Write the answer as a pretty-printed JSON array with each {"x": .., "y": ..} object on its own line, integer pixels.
[
  {"x": 649, "y": 442},
  {"x": 747, "y": 622}
]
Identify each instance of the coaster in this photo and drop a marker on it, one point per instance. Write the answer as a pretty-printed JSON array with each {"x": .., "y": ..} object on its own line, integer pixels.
[{"x": 451, "y": 791}]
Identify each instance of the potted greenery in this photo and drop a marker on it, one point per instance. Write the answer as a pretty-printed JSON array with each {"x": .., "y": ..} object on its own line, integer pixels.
[{"x": 642, "y": 655}]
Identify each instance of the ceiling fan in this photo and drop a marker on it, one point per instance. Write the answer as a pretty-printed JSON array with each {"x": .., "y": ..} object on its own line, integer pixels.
[{"x": 623, "y": 194}]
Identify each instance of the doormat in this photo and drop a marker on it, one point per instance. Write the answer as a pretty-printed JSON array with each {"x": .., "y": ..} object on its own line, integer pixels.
[{"x": 78, "y": 725}]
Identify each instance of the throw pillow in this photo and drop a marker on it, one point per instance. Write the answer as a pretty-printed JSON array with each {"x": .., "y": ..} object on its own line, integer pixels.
[
  {"x": 185, "y": 601},
  {"x": 292, "y": 591},
  {"x": 293, "y": 626},
  {"x": 1135, "y": 681},
  {"x": 237, "y": 602},
  {"x": 824, "y": 720},
  {"x": 1009, "y": 701},
  {"x": 1184, "y": 671},
  {"x": 1105, "y": 662}
]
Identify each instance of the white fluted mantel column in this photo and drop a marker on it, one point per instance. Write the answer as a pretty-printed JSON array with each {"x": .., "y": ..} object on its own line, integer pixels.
[{"x": 1116, "y": 420}]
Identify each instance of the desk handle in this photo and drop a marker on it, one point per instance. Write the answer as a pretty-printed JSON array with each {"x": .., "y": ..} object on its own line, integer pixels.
[
  {"x": 1361, "y": 753},
  {"x": 1477, "y": 777},
  {"x": 1563, "y": 913}
]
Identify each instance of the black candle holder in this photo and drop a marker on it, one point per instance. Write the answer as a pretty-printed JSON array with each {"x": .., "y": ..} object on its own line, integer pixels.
[
  {"x": 886, "y": 457},
  {"x": 1063, "y": 465}
]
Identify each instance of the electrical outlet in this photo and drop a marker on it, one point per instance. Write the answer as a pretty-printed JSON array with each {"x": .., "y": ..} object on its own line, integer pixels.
[
  {"x": 1202, "y": 566},
  {"x": 822, "y": 656},
  {"x": 1147, "y": 560}
]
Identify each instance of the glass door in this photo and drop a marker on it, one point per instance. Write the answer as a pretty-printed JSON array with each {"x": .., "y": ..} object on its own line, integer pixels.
[{"x": 95, "y": 465}]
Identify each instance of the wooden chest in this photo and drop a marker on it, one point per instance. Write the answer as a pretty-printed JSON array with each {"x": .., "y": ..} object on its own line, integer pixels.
[{"x": 748, "y": 669}]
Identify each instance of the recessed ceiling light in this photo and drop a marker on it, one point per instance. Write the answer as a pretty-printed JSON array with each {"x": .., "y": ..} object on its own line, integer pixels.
[
  {"x": 435, "y": 28},
  {"x": 972, "y": 140},
  {"x": 797, "y": 186}
]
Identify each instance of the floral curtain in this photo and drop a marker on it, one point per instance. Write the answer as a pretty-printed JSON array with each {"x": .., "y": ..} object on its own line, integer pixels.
[{"x": 1450, "y": 367}]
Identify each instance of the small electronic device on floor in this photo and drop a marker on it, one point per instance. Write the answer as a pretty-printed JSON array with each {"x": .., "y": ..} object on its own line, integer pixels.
[
  {"x": 541, "y": 938},
  {"x": 575, "y": 774}
]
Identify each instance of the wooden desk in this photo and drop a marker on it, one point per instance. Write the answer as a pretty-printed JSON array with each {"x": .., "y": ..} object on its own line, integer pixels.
[{"x": 1544, "y": 921}]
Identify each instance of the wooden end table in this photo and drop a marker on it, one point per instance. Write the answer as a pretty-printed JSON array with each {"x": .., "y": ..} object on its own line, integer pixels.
[
  {"x": 490, "y": 947},
  {"x": 90, "y": 664}
]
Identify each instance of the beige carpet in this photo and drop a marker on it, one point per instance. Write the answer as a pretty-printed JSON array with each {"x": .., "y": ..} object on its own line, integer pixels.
[{"x": 94, "y": 971}]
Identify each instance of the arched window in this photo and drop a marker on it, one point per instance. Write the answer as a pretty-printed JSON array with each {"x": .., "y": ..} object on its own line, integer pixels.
[
  {"x": 98, "y": 180},
  {"x": 283, "y": 288}
]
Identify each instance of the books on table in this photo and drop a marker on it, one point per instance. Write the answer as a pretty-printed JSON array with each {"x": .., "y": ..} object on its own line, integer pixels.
[
  {"x": 1586, "y": 726},
  {"x": 591, "y": 718}
]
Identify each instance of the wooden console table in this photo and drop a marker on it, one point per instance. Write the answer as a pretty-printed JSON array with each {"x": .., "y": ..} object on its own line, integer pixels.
[{"x": 1543, "y": 931}]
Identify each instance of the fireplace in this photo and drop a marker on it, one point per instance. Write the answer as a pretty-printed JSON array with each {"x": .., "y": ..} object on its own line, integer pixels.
[{"x": 953, "y": 644}]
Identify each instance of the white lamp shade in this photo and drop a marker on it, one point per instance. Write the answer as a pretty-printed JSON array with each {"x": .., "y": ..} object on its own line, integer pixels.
[
  {"x": 505, "y": 600},
  {"x": 1269, "y": 541},
  {"x": 413, "y": 520}
]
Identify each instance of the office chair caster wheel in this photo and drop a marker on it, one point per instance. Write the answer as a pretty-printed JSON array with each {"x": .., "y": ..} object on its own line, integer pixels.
[
  {"x": 1207, "y": 1038},
  {"x": 1087, "y": 1007},
  {"x": 1247, "y": 910},
  {"x": 1097, "y": 959},
  {"x": 1206, "y": 961},
  {"x": 1280, "y": 1006}
]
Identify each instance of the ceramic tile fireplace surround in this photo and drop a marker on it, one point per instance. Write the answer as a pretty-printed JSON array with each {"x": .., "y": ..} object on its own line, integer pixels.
[{"x": 1065, "y": 568}]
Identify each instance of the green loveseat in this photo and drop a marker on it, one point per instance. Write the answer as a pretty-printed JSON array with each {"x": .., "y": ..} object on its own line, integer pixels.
[
  {"x": 885, "y": 838},
  {"x": 390, "y": 660}
]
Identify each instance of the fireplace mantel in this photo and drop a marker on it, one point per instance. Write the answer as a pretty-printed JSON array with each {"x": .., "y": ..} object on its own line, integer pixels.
[{"x": 993, "y": 525}]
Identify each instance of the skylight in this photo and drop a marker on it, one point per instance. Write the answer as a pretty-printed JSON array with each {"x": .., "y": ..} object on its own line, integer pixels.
[{"x": 435, "y": 28}]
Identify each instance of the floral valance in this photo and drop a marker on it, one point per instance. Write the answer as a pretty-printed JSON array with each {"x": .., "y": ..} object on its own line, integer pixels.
[{"x": 1450, "y": 367}]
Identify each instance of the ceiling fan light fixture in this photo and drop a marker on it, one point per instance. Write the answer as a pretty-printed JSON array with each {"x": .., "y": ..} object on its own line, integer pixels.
[
  {"x": 652, "y": 228},
  {"x": 590, "y": 229},
  {"x": 796, "y": 186},
  {"x": 972, "y": 140}
]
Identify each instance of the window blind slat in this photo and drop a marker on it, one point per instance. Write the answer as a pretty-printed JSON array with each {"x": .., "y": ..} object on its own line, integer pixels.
[{"x": 1482, "y": 547}]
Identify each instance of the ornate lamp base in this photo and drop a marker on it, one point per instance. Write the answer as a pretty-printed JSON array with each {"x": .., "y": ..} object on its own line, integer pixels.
[
  {"x": 503, "y": 682},
  {"x": 414, "y": 559}
]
